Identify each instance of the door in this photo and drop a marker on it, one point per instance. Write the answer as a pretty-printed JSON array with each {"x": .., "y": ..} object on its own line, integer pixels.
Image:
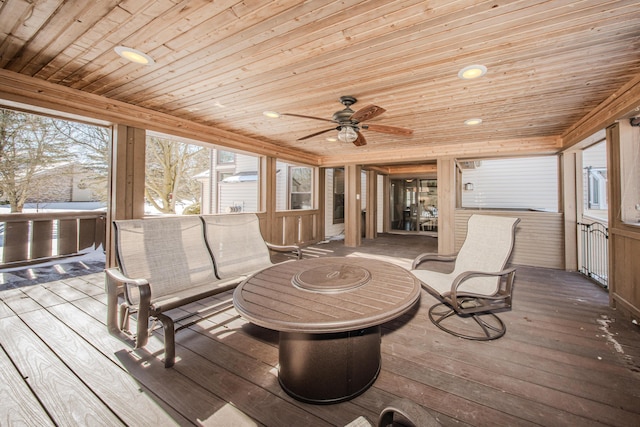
[{"x": 414, "y": 205}]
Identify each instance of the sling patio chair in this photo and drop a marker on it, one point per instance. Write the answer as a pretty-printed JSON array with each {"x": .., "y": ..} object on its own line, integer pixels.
[{"x": 479, "y": 283}]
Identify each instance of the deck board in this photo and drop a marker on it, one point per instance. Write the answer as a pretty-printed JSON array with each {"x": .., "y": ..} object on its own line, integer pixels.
[
  {"x": 18, "y": 402},
  {"x": 65, "y": 397},
  {"x": 567, "y": 359}
]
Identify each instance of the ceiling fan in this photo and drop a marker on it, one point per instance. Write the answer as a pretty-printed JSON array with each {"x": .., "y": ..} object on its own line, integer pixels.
[{"x": 350, "y": 122}]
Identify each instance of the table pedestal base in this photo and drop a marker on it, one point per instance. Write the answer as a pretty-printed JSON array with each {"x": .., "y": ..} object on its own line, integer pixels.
[{"x": 329, "y": 368}]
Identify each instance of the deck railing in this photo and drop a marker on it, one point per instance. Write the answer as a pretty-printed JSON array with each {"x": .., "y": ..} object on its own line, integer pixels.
[
  {"x": 26, "y": 238},
  {"x": 594, "y": 254}
]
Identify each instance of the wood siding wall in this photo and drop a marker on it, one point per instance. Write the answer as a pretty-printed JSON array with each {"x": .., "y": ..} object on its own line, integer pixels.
[{"x": 539, "y": 236}]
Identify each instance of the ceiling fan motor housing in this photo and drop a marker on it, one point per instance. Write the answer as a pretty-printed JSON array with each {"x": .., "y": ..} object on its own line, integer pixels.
[{"x": 343, "y": 117}]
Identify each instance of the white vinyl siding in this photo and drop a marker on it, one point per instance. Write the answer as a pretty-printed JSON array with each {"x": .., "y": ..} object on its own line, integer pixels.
[
  {"x": 237, "y": 197},
  {"x": 521, "y": 183},
  {"x": 281, "y": 186}
]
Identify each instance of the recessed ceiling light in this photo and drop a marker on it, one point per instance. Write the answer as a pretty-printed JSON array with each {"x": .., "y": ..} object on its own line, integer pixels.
[
  {"x": 134, "y": 55},
  {"x": 331, "y": 139},
  {"x": 271, "y": 114},
  {"x": 472, "y": 72},
  {"x": 472, "y": 122}
]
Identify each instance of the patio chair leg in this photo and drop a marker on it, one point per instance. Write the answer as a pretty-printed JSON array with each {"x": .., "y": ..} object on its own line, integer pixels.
[
  {"x": 124, "y": 318},
  {"x": 169, "y": 340},
  {"x": 489, "y": 331},
  {"x": 498, "y": 331}
]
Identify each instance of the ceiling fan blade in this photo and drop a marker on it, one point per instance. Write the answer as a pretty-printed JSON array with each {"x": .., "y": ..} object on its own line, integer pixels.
[
  {"x": 360, "y": 141},
  {"x": 393, "y": 130},
  {"x": 366, "y": 113},
  {"x": 315, "y": 134},
  {"x": 306, "y": 117}
]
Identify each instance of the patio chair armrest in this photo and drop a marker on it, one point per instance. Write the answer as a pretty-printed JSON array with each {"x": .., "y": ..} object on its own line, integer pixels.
[
  {"x": 415, "y": 414},
  {"x": 114, "y": 287},
  {"x": 430, "y": 256},
  {"x": 286, "y": 248},
  {"x": 116, "y": 275},
  {"x": 115, "y": 281},
  {"x": 459, "y": 280}
]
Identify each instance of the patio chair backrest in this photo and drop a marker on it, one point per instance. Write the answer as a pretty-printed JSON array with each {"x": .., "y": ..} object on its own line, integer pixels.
[
  {"x": 169, "y": 252},
  {"x": 487, "y": 247},
  {"x": 237, "y": 244}
]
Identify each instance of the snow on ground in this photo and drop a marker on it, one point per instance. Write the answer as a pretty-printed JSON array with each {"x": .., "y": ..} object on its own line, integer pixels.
[{"x": 56, "y": 207}]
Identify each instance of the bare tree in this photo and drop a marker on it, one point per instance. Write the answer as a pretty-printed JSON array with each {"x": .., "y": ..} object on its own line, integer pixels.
[
  {"x": 90, "y": 144},
  {"x": 170, "y": 166},
  {"x": 28, "y": 144}
]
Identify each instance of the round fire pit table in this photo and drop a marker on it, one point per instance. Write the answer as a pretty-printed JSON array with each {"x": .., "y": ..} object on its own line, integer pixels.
[{"x": 328, "y": 312}]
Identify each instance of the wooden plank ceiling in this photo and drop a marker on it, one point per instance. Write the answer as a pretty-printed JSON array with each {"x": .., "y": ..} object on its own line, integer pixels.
[{"x": 224, "y": 63}]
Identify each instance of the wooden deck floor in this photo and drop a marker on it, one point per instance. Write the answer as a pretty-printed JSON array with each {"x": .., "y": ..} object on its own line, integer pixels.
[{"x": 567, "y": 360}]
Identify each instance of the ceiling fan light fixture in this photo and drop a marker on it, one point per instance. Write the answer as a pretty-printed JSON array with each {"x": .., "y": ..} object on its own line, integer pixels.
[
  {"x": 472, "y": 72},
  {"x": 134, "y": 55},
  {"x": 472, "y": 122},
  {"x": 271, "y": 114},
  {"x": 347, "y": 134}
]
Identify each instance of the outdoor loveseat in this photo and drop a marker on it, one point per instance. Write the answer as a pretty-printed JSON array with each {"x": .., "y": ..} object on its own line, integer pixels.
[{"x": 168, "y": 262}]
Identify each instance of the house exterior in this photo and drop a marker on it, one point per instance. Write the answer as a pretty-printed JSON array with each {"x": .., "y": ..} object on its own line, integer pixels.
[{"x": 66, "y": 182}]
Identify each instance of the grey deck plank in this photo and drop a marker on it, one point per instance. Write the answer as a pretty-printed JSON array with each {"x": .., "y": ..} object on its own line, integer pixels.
[
  {"x": 111, "y": 384},
  {"x": 172, "y": 390},
  {"x": 18, "y": 403},
  {"x": 65, "y": 397}
]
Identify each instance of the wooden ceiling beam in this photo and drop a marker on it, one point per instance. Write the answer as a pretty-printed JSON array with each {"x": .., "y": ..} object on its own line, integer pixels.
[
  {"x": 537, "y": 146},
  {"x": 624, "y": 102},
  {"x": 28, "y": 90}
]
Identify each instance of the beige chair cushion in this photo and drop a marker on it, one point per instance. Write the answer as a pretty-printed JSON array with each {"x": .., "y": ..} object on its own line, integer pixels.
[{"x": 237, "y": 244}]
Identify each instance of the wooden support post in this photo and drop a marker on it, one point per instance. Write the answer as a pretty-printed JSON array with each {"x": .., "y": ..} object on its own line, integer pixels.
[
  {"x": 126, "y": 180},
  {"x": 386, "y": 204},
  {"x": 446, "y": 205},
  {"x": 320, "y": 194},
  {"x": 353, "y": 209},
  {"x": 624, "y": 236},
  {"x": 371, "y": 225},
  {"x": 570, "y": 182},
  {"x": 268, "y": 198}
]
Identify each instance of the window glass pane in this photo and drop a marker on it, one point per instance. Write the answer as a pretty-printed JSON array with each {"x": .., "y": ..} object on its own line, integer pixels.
[
  {"x": 226, "y": 157},
  {"x": 630, "y": 176},
  {"x": 594, "y": 181},
  {"x": 520, "y": 183},
  {"x": 237, "y": 187},
  {"x": 49, "y": 163},
  {"x": 294, "y": 187},
  {"x": 208, "y": 183},
  {"x": 173, "y": 175},
  {"x": 300, "y": 180}
]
